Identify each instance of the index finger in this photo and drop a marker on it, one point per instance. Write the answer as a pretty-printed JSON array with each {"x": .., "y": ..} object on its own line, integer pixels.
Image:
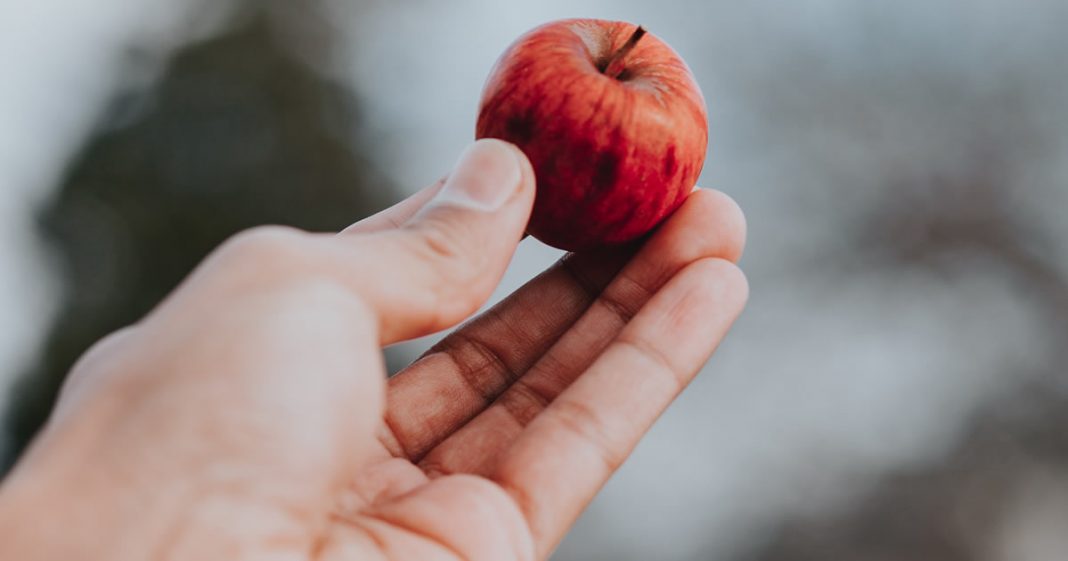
[{"x": 398, "y": 214}]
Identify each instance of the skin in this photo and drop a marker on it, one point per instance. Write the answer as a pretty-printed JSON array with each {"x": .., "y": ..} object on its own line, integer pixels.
[
  {"x": 617, "y": 135},
  {"x": 249, "y": 416}
]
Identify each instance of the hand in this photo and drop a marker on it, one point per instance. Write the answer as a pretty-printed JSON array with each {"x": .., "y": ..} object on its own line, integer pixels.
[{"x": 249, "y": 416}]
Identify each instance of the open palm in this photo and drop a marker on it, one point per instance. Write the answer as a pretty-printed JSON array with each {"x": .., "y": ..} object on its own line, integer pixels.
[{"x": 247, "y": 421}]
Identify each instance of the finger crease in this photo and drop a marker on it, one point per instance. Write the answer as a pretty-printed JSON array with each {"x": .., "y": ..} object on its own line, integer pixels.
[
  {"x": 658, "y": 357},
  {"x": 524, "y": 402},
  {"x": 356, "y": 526},
  {"x": 449, "y": 548},
  {"x": 391, "y": 440},
  {"x": 487, "y": 390},
  {"x": 435, "y": 469},
  {"x": 617, "y": 308},
  {"x": 579, "y": 420},
  {"x": 592, "y": 289}
]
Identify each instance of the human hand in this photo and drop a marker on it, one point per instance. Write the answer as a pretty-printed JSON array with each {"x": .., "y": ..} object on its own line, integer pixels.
[{"x": 249, "y": 416}]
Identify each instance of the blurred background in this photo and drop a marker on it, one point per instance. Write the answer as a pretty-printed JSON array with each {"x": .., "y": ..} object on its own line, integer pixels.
[{"x": 895, "y": 390}]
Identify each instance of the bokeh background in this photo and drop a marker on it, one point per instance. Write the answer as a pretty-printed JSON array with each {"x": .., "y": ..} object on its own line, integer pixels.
[{"x": 896, "y": 390}]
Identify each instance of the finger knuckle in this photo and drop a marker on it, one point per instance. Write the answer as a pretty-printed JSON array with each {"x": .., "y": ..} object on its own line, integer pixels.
[
  {"x": 269, "y": 252},
  {"x": 101, "y": 357},
  {"x": 454, "y": 263},
  {"x": 447, "y": 251},
  {"x": 291, "y": 265}
]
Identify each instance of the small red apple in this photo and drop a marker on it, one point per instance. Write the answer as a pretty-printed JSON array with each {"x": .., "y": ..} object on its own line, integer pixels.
[{"x": 612, "y": 121}]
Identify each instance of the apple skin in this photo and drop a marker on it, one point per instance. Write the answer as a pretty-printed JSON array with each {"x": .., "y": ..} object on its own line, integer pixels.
[{"x": 613, "y": 156}]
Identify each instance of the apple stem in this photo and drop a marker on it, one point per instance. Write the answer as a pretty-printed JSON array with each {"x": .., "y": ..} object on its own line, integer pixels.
[{"x": 614, "y": 67}]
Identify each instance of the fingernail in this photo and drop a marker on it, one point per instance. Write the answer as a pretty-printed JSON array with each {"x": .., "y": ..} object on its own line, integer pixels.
[{"x": 485, "y": 177}]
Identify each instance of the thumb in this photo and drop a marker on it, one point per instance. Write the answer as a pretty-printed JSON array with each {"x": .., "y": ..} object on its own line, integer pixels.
[{"x": 441, "y": 265}]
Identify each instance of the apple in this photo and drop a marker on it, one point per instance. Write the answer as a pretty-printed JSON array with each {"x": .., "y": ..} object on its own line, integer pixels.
[{"x": 612, "y": 121}]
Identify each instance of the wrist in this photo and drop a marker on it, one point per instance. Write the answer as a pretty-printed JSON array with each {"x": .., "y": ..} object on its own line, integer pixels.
[
  {"x": 27, "y": 520},
  {"x": 54, "y": 508},
  {"x": 81, "y": 510}
]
